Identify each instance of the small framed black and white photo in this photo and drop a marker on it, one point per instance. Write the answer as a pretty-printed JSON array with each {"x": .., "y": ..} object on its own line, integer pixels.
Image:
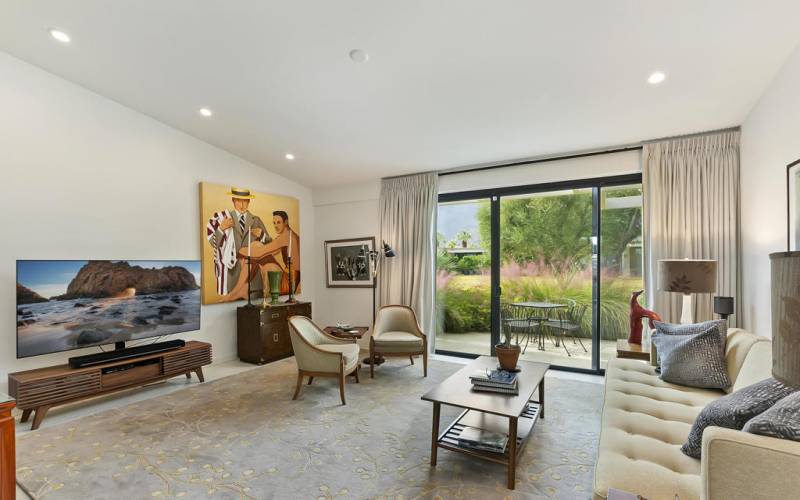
[
  {"x": 347, "y": 263},
  {"x": 793, "y": 191}
]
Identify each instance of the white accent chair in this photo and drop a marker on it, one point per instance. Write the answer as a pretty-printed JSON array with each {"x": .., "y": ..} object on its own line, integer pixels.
[
  {"x": 321, "y": 355},
  {"x": 397, "y": 333}
]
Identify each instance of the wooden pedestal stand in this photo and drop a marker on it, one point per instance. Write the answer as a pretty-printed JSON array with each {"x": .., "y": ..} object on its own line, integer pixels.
[{"x": 41, "y": 389}]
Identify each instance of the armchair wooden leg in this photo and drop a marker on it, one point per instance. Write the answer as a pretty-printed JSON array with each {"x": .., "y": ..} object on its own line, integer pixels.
[
  {"x": 310, "y": 379},
  {"x": 341, "y": 386},
  {"x": 371, "y": 364},
  {"x": 299, "y": 384},
  {"x": 411, "y": 358},
  {"x": 358, "y": 368},
  {"x": 425, "y": 362}
]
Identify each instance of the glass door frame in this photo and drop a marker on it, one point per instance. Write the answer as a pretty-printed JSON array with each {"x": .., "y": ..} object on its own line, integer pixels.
[{"x": 495, "y": 195}]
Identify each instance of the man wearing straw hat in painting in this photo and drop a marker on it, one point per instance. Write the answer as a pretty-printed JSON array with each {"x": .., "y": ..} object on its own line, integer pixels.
[{"x": 232, "y": 231}]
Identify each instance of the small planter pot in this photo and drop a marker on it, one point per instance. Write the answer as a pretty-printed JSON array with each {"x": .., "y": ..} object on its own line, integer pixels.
[{"x": 507, "y": 356}]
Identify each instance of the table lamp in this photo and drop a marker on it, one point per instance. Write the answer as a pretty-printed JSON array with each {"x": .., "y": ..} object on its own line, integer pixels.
[
  {"x": 786, "y": 317},
  {"x": 687, "y": 276}
]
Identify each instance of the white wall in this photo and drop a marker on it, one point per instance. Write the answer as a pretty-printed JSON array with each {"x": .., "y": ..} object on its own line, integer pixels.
[
  {"x": 770, "y": 141},
  {"x": 339, "y": 213},
  {"x": 86, "y": 178}
]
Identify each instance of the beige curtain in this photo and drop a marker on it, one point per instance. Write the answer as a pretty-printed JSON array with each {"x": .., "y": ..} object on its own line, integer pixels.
[
  {"x": 408, "y": 207},
  {"x": 691, "y": 209}
]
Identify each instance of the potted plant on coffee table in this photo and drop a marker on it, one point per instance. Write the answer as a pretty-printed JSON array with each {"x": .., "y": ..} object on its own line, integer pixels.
[{"x": 507, "y": 353}]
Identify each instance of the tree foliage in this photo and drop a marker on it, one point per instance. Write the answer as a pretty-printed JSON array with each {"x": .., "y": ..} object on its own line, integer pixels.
[{"x": 556, "y": 230}]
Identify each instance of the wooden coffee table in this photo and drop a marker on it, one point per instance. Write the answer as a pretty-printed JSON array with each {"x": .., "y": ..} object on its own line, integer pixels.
[{"x": 511, "y": 415}]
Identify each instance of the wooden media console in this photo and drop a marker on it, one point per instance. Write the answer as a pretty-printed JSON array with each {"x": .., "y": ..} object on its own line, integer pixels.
[{"x": 41, "y": 389}]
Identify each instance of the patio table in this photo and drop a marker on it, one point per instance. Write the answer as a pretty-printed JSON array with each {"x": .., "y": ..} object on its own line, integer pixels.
[{"x": 547, "y": 307}]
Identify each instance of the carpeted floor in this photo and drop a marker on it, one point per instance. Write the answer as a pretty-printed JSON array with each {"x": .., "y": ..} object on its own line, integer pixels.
[{"x": 243, "y": 437}]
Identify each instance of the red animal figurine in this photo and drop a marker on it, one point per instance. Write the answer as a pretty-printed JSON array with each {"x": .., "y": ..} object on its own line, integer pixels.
[{"x": 637, "y": 313}]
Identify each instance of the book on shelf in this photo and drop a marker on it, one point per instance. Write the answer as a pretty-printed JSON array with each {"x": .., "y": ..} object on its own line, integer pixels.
[
  {"x": 481, "y": 439},
  {"x": 501, "y": 377}
]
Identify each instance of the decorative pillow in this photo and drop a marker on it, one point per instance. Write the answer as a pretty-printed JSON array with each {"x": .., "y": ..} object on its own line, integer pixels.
[
  {"x": 780, "y": 421},
  {"x": 663, "y": 328},
  {"x": 693, "y": 360},
  {"x": 734, "y": 410}
]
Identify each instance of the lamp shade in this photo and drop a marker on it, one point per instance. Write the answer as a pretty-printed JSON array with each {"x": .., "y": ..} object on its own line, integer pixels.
[
  {"x": 687, "y": 275},
  {"x": 723, "y": 305},
  {"x": 786, "y": 317}
]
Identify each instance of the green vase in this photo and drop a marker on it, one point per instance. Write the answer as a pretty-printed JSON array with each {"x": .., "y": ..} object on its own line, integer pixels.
[{"x": 274, "y": 278}]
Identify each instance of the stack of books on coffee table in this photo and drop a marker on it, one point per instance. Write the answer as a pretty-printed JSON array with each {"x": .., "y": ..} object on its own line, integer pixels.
[{"x": 498, "y": 381}]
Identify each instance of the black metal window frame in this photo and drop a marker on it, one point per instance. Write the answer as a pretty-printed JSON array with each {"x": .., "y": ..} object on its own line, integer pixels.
[{"x": 494, "y": 196}]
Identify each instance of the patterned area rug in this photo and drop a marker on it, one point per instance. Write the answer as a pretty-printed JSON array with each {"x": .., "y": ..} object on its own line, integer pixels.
[{"x": 243, "y": 437}]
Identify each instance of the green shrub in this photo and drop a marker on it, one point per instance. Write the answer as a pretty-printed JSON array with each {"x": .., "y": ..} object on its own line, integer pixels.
[{"x": 463, "y": 302}]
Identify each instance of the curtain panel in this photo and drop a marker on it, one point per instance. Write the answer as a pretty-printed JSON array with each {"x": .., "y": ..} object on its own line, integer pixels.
[
  {"x": 408, "y": 207},
  {"x": 691, "y": 210}
]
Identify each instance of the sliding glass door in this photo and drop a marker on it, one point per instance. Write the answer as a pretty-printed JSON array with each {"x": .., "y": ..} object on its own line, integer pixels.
[
  {"x": 563, "y": 256},
  {"x": 546, "y": 273},
  {"x": 463, "y": 278}
]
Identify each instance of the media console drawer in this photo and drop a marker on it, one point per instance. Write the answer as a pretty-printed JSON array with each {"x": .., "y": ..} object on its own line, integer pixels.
[{"x": 132, "y": 375}]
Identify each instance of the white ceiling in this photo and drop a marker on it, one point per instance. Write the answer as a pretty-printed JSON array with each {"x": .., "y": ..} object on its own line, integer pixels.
[{"x": 448, "y": 83}]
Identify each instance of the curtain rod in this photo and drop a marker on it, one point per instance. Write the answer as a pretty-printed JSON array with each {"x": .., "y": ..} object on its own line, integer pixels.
[{"x": 577, "y": 154}]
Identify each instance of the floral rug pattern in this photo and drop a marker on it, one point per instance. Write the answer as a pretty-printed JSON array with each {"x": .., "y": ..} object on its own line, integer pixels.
[{"x": 242, "y": 437}]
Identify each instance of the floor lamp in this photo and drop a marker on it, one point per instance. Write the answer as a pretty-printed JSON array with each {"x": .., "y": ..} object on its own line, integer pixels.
[{"x": 374, "y": 257}]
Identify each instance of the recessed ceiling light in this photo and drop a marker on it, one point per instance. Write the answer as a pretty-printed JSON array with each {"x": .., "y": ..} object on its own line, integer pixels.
[
  {"x": 60, "y": 36},
  {"x": 206, "y": 112},
  {"x": 359, "y": 56},
  {"x": 656, "y": 77},
  {"x": 289, "y": 156}
]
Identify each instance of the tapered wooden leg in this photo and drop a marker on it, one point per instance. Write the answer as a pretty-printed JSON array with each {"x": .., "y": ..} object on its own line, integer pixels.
[
  {"x": 299, "y": 385},
  {"x": 188, "y": 375},
  {"x": 310, "y": 379},
  {"x": 425, "y": 361},
  {"x": 199, "y": 372},
  {"x": 435, "y": 432},
  {"x": 39, "y": 416},
  {"x": 411, "y": 358},
  {"x": 26, "y": 414},
  {"x": 358, "y": 368},
  {"x": 541, "y": 399},
  {"x": 371, "y": 363},
  {"x": 341, "y": 386},
  {"x": 512, "y": 452}
]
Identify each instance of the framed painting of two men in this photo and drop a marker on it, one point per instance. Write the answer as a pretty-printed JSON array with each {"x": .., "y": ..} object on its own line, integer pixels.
[{"x": 238, "y": 223}]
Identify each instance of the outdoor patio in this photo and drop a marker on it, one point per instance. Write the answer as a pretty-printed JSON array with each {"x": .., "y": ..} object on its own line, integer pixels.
[{"x": 478, "y": 343}]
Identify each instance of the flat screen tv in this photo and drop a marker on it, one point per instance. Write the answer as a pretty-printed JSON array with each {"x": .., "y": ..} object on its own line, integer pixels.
[{"x": 71, "y": 304}]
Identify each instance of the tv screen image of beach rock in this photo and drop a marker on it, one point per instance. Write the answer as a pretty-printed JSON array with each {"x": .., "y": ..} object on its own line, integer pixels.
[{"x": 68, "y": 304}]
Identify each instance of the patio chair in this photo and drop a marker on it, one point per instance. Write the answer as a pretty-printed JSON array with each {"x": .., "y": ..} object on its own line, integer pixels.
[
  {"x": 518, "y": 320},
  {"x": 568, "y": 322}
]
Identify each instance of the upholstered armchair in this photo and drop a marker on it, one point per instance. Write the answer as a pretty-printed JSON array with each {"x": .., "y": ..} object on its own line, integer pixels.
[
  {"x": 321, "y": 355},
  {"x": 397, "y": 333}
]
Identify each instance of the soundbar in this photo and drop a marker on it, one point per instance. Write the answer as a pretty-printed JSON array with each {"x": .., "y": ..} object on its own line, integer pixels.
[{"x": 120, "y": 354}]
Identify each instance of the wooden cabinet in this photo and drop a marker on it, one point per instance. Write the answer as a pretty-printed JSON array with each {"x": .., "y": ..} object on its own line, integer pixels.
[
  {"x": 262, "y": 334},
  {"x": 8, "y": 468}
]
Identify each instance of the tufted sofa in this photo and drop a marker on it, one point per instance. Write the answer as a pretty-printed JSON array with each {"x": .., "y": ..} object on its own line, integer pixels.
[{"x": 646, "y": 420}]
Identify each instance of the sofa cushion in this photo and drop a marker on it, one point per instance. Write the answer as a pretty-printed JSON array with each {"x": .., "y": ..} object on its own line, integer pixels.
[
  {"x": 645, "y": 422},
  {"x": 755, "y": 366},
  {"x": 695, "y": 360},
  {"x": 733, "y": 410},
  {"x": 781, "y": 421}
]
